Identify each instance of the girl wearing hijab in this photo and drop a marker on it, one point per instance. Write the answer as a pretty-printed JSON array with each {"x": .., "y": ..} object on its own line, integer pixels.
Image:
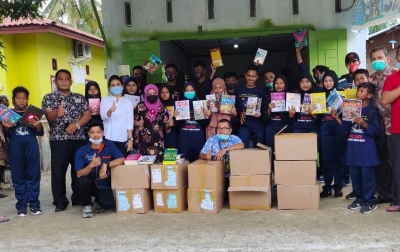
[
  {"x": 132, "y": 91},
  {"x": 151, "y": 118},
  {"x": 332, "y": 145},
  {"x": 191, "y": 132},
  {"x": 171, "y": 132},
  {"x": 92, "y": 91},
  {"x": 218, "y": 88}
]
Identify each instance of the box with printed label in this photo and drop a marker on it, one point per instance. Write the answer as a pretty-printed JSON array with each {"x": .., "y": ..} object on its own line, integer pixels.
[
  {"x": 133, "y": 201},
  {"x": 296, "y": 146},
  {"x": 295, "y": 172},
  {"x": 130, "y": 177},
  {"x": 250, "y": 180},
  {"x": 170, "y": 201},
  {"x": 298, "y": 197},
  {"x": 169, "y": 176},
  {"x": 250, "y": 197},
  {"x": 205, "y": 174},
  {"x": 253, "y": 161},
  {"x": 206, "y": 201}
]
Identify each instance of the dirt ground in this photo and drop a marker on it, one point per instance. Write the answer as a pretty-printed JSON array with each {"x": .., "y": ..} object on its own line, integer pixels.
[{"x": 332, "y": 228}]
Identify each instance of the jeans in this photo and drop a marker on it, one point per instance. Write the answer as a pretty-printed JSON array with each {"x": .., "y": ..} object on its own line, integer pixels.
[
  {"x": 246, "y": 135},
  {"x": 394, "y": 153},
  {"x": 363, "y": 181}
]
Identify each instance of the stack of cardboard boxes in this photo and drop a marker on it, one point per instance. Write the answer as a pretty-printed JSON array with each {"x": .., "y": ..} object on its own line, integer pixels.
[
  {"x": 206, "y": 193},
  {"x": 296, "y": 171},
  {"x": 250, "y": 180},
  {"x": 169, "y": 184}
]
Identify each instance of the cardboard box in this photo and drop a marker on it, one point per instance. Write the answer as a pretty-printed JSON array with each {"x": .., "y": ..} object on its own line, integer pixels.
[
  {"x": 206, "y": 201},
  {"x": 295, "y": 172},
  {"x": 296, "y": 146},
  {"x": 298, "y": 197},
  {"x": 204, "y": 174},
  {"x": 170, "y": 201},
  {"x": 254, "y": 180},
  {"x": 126, "y": 177},
  {"x": 250, "y": 197},
  {"x": 253, "y": 161},
  {"x": 134, "y": 201},
  {"x": 169, "y": 176}
]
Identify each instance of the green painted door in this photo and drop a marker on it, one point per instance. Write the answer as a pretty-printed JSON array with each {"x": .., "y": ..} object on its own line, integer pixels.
[
  {"x": 136, "y": 52},
  {"x": 328, "y": 48}
]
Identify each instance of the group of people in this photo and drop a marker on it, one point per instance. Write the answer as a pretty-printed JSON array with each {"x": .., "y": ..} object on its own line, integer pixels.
[{"x": 94, "y": 140}]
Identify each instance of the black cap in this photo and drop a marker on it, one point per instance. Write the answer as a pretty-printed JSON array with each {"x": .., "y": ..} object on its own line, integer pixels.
[{"x": 351, "y": 56}]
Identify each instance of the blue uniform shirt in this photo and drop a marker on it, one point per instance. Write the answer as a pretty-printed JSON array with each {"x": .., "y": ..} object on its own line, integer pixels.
[{"x": 107, "y": 152}]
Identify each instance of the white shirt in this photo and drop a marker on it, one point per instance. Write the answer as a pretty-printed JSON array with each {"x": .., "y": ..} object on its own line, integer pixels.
[{"x": 116, "y": 127}]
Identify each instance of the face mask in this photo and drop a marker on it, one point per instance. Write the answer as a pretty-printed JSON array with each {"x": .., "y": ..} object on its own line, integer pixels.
[
  {"x": 93, "y": 95},
  {"x": 316, "y": 78},
  {"x": 189, "y": 95},
  {"x": 269, "y": 85},
  {"x": 152, "y": 98},
  {"x": 139, "y": 78},
  {"x": 398, "y": 65},
  {"x": 116, "y": 90},
  {"x": 378, "y": 65},
  {"x": 222, "y": 137},
  {"x": 171, "y": 77},
  {"x": 96, "y": 141},
  {"x": 198, "y": 74},
  {"x": 230, "y": 85},
  {"x": 352, "y": 67}
]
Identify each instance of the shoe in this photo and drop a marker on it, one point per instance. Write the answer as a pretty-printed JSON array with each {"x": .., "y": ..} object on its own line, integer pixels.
[
  {"x": 368, "y": 207},
  {"x": 355, "y": 205},
  {"x": 391, "y": 209},
  {"x": 99, "y": 209},
  {"x": 338, "y": 193},
  {"x": 383, "y": 200},
  {"x": 22, "y": 212},
  {"x": 60, "y": 208},
  {"x": 321, "y": 179},
  {"x": 325, "y": 193},
  {"x": 36, "y": 211},
  {"x": 87, "y": 212},
  {"x": 351, "y": 196}
]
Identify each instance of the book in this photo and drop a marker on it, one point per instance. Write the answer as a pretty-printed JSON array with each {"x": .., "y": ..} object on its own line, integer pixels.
[
  {"x": 198, "y": 110},
  {"x": 300, "y": 38},
  {"x": 318, "y": 100},
  {"x": 342, "y": 84},
  {"x": 216, "y": 58},
  {"x": 151, "y": 64},
  {"x": 135, "y": 99},
  {"x": 132, "y": 159},
  {"x": 147, "y": 159},
  {"x": 334, "y": 100},
  {"x": 227, "y": 103},
  {"x": 306, "y": 103},
  {"x": 350, "y": 94},
  {"x": 253, "y": 105},
  {"x": 351, "y": 109},
  {"x": 170, "y": 155},
  {"x": 342, "y": 93},
  {"x": 212, "y": 104},
  {"x": 184, "y": 110},
  {"x": 8, "y": 115},
  {"x": 279, "y": 99},
  {"x": 31, "y": 112},
  {"x": 124, "y": 70},
  {"x": 170, "y": 110},
  {"x": 94, "y": 105},
  {"x": 261, "y": 54},
  {"x": 293, "y": 100}
]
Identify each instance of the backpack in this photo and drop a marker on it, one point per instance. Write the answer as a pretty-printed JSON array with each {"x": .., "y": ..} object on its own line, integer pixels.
[{"x": 381, "y": 139}]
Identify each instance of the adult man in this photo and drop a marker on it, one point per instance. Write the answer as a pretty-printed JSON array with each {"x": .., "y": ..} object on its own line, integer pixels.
[
  {"x": 231, "y": 80},
  {"x": 92, "y": 164},
  {"x": 171, "y": 72},
  {"x": 352, "y": 62},
  {"x": 203, "y": 84},
  {"x": 66, "y": 112},
  {"x": 140, "y": 74}
]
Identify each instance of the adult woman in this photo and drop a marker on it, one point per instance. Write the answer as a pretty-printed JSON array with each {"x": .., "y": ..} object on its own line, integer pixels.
[
  {"x": 172, "y": 132},
  {"x": 151, "y": 118},
  {"x": 131, "y": 87},
  {"x": 116, "y": 112}
]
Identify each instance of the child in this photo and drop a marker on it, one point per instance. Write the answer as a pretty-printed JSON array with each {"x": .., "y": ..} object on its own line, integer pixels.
[
  {"x": 360, "y": 76},
  {"x": 171, "y": 131},
  {"x": 24, "y": 156},
  {"x": 362, "y": 155},
  {"x": 231, "y": 80},
  {"x": 92, "y": 91}
]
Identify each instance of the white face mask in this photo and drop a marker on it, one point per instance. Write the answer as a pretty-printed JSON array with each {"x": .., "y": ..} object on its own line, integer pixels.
[{"x": 96, "y": 141}]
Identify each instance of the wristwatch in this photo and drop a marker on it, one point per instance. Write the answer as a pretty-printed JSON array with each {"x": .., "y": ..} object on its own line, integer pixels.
[
  {"x": 226, "y": 149},
  {"x": 131, "y": 138}
]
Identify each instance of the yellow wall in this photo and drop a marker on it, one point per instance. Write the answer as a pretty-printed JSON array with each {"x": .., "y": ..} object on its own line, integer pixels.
[{"x": 9, "y": 78}]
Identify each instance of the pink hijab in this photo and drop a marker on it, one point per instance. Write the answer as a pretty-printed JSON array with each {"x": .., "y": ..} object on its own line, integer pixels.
[{"x": 153, "y": 107}]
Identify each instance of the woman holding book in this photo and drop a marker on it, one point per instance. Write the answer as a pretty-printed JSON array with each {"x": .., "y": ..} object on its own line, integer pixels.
[
  {"x": 171, "y": 132},
  {"x": 151, "y": 119},
  {"x": 131, "y": 89},
  {"x": 93, "y": 96}
]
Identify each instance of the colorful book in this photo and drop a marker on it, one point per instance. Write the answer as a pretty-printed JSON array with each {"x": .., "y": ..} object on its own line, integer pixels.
[
  {"x": 261, "y": 54},
  {"x": 170, "y": 155},
  {"x": 253, "y": 106},
  {"x": 132, "y": 159},
  {"x": 94, "y": 105},
  {"x": 212, "y": 104},
  {"x": 31, "y": 112},
  {"x": 227, "y": 103},
  {"x": 170, "y": 110},
  {"x": 293, "y": 100},
  {"x": 318, "y": 100},
  {"x": 334, "y": 100},
  {"x": 306, "y": 103},
  {"x": 216, "y": 57},
  {"x": 198, "y": 110},
  {"x": 151, "y": 64},
  {"x": 8, "y": 115},
  {"x": 300, "y": 38},
  {"x": 351, "y": 109},
  {"x": 350, "y": 94},
  {"x": 184, "y": 110},
  {"x": 342, "y": 84},
  {"x": 135, "y": 99},
  {"x": 147, "y": 159},
  {"x": 279, "y": 99}
]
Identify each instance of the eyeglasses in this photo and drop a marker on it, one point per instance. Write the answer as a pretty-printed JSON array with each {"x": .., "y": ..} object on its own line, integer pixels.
[{"x": 223, "y": 129}]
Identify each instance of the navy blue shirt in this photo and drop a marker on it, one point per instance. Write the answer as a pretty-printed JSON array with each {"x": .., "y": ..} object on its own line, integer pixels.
[
  {"x": 242, "y": 93},
  {"x": 303, "y": 121},
  {"x": 348, "y": 77},
  {"x": 21, "y": 131}
]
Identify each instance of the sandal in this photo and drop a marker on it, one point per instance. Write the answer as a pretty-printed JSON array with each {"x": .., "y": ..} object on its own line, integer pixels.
[
  {"x": 3, "y": 219},
  {"x": 3, "y": 195}
]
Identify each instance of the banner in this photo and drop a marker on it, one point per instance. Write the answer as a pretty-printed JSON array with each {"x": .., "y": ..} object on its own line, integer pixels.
[{"x": 374, "y": 12}]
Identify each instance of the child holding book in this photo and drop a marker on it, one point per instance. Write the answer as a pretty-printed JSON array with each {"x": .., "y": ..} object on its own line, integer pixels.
[
  {"x": 362, "y": 155},
  {"x": 92, "y": 95},
  {"x": 24, "y": 156}
]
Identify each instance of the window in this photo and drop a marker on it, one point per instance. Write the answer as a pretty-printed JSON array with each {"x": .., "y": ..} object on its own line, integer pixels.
[
  {"x": 128, "y": 14},
  {"x": 295, "y": 7},
  {"x": 252, "y": 8},
  {"x": 210, "y": 9},
  {"x": 169, "y": 11}
]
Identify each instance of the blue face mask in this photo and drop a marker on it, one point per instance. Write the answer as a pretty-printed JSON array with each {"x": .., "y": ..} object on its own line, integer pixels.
[
  {"x": 96, "y": 141},
  {"x": 378, "y": 65},
  {"x": 189, "y": 95},
  {"x": 222, "y": 137},
  {"x": 398, "y": 65},
  {"x": 269, "y": 85},
  {"x": 116, "y": 90}
]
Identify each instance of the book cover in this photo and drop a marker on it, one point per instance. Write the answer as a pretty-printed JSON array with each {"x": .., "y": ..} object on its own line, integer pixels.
[
  {"x": 184, "y": 110},
  {"x": 170, "y": 110},
  {"x": 135, "y": 99},
  {"x": 350, "y": 94},
  {"x": 261, "y": 54},
  {"x": 318, "y": 100},
  {"x": 216, "y": 57},
  {"x": 351, "y": 109},
  {"x": 170, "y": 155},
  {"x": 31, "y": 112},
  {"x": 278, "y": 98},
  {"x": 198, "y": 110},
  {"x": 94, "y": 105},
  {"x": 253, "y": 105},
  {"x": 151, "y": 64},
  {"x": 132, "y": 159},
  {"x": 342, "y": 93},
  {"x": 334, "y": 100},
  {"x": 227, "y": 103},
  {"x": 8, "y": 115},
  {"x": 306, "y": 103},
  {"x": 300, "y": 38},
  {"x": 212, "y": 104},
  {"x": 293, "y": 100},
  {"x": 342, "y": 84},
  {"x": 147, "y": 159}
]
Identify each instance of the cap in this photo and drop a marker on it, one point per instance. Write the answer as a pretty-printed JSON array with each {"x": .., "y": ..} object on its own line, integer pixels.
[{"x": 351, "y": 56}]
